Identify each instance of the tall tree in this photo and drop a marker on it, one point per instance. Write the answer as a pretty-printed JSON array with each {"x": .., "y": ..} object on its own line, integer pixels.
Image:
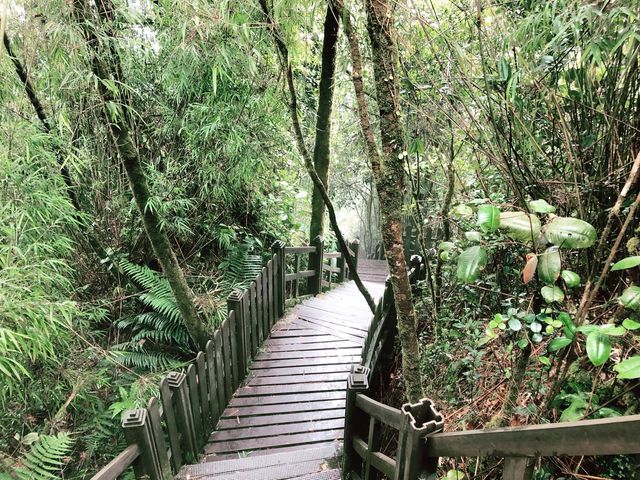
[
  {"x": 106, "y": 67},
  {"x": 388, "y": 171}
]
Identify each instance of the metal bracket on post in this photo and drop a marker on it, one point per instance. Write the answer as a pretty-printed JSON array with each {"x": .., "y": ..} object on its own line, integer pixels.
[
  {"x": 419, "y": 420},
  {"x": 177, "y": 382},
  {"x": 277, "y": 248},
  {"x": 234, "y": 304},
  {"x": 357, "y": 382}
]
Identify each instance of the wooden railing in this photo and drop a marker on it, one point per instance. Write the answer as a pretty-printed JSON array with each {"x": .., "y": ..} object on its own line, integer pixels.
[
  {"x": 170, "y": 433},
  {"x": 323, "y": 268},
  {"x": 421, "y": 443}
]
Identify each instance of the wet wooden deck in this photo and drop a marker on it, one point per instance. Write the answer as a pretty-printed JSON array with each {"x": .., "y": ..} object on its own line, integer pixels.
[{"x": 294, "y": 397}]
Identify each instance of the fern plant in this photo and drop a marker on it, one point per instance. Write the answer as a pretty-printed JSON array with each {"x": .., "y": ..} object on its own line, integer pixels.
[
  {"x": 45, "y": 460},
  {"x": 151, "y": 332},
  {"x": 241, "y": 266}
]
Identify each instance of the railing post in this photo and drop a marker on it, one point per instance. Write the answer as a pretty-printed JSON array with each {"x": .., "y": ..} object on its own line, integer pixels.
[
  {"x": 518, "y": 468},
  {"x": 355, "y": 248},
  {"x": 178, "y": 385},
  {"x": 418, "y": 420},
  {"x": 234, "y": 304},
  {"x": 342, "y": 264},
  {"x": 138, "y": 429},
  {"x": 278, "y": 249},
  {"x": 316, "y": 262},
  {"x": 357, "y": 382}
]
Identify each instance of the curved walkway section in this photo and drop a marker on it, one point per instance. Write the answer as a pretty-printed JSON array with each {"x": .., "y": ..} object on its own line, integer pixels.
[{"x": 287, "y": 420}]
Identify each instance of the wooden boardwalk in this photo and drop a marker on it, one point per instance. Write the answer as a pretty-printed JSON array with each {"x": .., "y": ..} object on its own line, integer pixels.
[{"x": 286, "y": 420}]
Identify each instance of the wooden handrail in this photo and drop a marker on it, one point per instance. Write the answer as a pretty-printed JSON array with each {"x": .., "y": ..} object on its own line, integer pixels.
[
  {"x": 119, "y": 465},
  {"x": 606, "y": 436}
]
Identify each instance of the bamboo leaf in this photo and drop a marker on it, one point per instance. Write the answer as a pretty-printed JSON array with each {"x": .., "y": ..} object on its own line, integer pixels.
[{"x": 626, "y": 263}]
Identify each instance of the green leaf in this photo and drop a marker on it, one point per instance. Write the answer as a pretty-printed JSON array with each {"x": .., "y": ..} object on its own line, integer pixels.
[
  {"x": 571, "y": 279},
  {"x": 630, "y": 324},
  {"x": 558, "y": 343},
  {"x": 569, "y": 232},
  {"x": 522, "y": 343},
  {"x": 463, "y": 210},
  {"x": 541, "y": 206},
  {"x": 549, "y": 265},
  {"x": 630, "y": 298},
  {"x": 536, "y": 327},
  {"x": 488, "y": 218},
  {"x": 470, "y": 263},
  {"x": 544, "y": 360},
  {"x": 611, "y": 330},
  {"x": 515, "y": 324},
  {"x": 625, "y": 263},
  {"x": 446, "y": 246},
  {"x": 454, "y": 475},
  {"x": 552, "y": 294},
  {"x": 629, "y": 368},
  {"x": 520, "y": 226},
  {"x": 598, "y": 348},
  {"x": 473, "y": 236}
]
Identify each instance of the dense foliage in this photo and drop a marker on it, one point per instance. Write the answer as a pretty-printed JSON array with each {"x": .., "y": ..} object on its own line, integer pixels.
[{"x": 522, "y": 124}]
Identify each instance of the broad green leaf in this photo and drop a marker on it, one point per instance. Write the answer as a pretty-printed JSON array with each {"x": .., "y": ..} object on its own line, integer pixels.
[
  {"x": 544, "y": 360},
  {"x": 488, "y": 218},
  {"x": 541, "y": 206},
  {"x": 629, "y": 368},
  {"x": 463, "y": 210},
  {"x": 569, "y": 326},
  {"x": 446, "y": 246},
  {"x": 522, "y": 343},
  {"x": 515, "y": 324},
  {"x": 552, "y": 294},
  {"x": 571, "y": 279},
  {"x": 470, "y": 263},
  {"x": 612, "y": 330},
  {"x": 630, "y": 298},
  {"x": 598, "y": 348},
  {"x": 630, "y": 324},
  {"x": 536, "y": 327},
  {"x": 520, "y": 226},
  {"x": 549, "y": 265},
  {"x": 454, "y": 475},
  {"x": 473, "y": 236},
  {"x": 625, "y": 263},
  {"x": 569, "y": 232},
  {"x": 558, "y": 343}
]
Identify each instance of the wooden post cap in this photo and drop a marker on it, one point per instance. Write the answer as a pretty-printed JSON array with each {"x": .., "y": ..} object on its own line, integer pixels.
[
  {"x": 175, "y": 379},
  {"x": 234, "y": 296},
  {"x": 358, "y": 378},
  {"x": 423, "y": 417},
  {"x": 277, "y": 245},
  {"x": 134, "y": 418}
]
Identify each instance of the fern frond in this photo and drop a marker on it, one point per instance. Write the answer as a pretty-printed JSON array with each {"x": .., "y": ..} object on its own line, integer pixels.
[
  {"x": 46, "y": 458},
  {"x": 145, "y": 360}
]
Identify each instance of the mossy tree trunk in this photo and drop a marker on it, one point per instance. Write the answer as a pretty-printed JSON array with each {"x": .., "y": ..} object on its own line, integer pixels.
[
  {"x": 388, "y": 173},
  {"x": 105, "y": 66},
  {"x": 322, "y": 147}
]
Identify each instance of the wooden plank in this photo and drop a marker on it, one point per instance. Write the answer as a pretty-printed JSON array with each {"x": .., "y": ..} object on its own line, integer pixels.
[
  {"x": 194, "y": 396},
  {"x": 309, "y": 354},
  {"x": 250, "y": 411},
  {"x": 277, "y": 441},
  {"x": 379, "y": 460},
  {"x": 330, "y": 255},
  {"x": 298, "y": 250},
  {"x": 203, "y": 387},
  {"x": 302, "y": 362},
  {"x": 242, "y": 422},
  {"x": 226, "y": 360},
  {"x": 287, "y": 398},
  {"x": 254, "y": 454},
  {"x": 269, "y": 430},
  {"x": 289, "y": 277},
  {"x": 119, "y": 464},
  {"x": 220, "y": 371},
  {"x": 271, "y": 313},
  {"x": 153, "y": 410},
  {"x": 256, "y": 339},
  {"x": 299, "y": 470},
  {"x": 303, "y": 370},
  {"x": 296, "y": 283},
  {"x": 355, "y": 328},
  {"x": 260, "y": 325},
  {"x": 265, "y": 301},
  {"x": 257, "y": 390},
  {"x": 293, "y": 379},
  {"x": 212, "y": 382},
  {"x": 170, "y": 420},
  {"x": 384, "y": 413},
  {"x": 294, "y": 346},
  {"x": 290, "y": 332},
  {"x": 234, "y": 350},
  {"x": 344, "y": 333},
  {"x": 607, "y": 436},
  {"x": 276, "y": 289}
]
